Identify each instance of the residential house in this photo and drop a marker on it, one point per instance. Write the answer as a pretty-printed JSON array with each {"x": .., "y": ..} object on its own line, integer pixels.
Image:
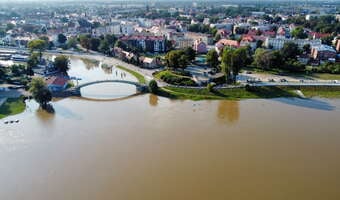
[
  {"x": 149, "y": 63},
  {"x": 200, "y": 47},
  {"x": 226, "y": 43},
  {"x": 56, "y": 83},
  {"x": 206, "y": 38}
]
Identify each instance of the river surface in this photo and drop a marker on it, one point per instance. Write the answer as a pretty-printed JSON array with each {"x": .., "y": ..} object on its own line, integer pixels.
[{"x": 152, "y": 148}]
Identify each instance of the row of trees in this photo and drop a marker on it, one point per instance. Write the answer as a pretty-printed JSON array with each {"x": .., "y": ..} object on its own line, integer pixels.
[
  {"x": 102, "y": 44},
  {"x": 323, "y": 24},
  {"x": 285, "y": 59}
]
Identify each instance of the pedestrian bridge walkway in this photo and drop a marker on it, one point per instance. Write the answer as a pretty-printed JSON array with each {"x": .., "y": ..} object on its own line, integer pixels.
[{"x": 76, "y": 89}]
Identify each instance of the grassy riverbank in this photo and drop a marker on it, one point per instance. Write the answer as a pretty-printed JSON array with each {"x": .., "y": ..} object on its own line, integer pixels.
[
  {"x": 139, "y": 76},
  {"x": 233, "y": 94},
  {"x": 329, "y": 92},
  {"x": 12, "y": 106}
]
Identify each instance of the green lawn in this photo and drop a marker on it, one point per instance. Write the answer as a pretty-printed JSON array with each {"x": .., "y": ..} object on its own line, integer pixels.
[
  {"x": 235, "y": 93},
  {"x": 329, "y": 92},
  {"x": 139, "y": 76},
  {"x": 11, "y": 107},
  {"x": 326, "y": 76}
]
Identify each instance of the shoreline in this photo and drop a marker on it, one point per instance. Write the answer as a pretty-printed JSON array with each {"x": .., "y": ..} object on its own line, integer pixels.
[
  {"x": 258, "y": 92},
  {"x": 12, "y": 106}
]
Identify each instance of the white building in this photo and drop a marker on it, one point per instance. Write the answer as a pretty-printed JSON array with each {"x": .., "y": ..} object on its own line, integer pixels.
[{"x": 277, "y": 43}]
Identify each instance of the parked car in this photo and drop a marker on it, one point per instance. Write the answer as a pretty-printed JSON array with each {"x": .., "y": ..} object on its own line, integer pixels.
[{"x": 283, "y": 80}]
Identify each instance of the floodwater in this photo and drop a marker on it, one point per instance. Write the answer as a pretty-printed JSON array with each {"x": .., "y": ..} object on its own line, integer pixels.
[{"x": 150, "y": 148}]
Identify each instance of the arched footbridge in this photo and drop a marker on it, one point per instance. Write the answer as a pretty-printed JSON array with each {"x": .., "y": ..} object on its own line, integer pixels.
[{"x": 76, "y": 89}]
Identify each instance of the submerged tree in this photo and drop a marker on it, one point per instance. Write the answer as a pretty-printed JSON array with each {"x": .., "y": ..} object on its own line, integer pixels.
[{"x": 40, "y": 92}]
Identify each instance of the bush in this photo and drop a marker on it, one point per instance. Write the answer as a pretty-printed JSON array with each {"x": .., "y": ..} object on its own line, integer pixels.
[
  {"x": 219, "y": 80},
  {"x": 332, "y": 68},
  {"x": 174, "y": 79},
  {"x": 210, "y": 87},
  {"x": 153, "y": 87}
]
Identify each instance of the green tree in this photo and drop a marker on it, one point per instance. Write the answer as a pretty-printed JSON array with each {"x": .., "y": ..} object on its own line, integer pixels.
[
  {"x": 10, "y": 26},
  {"x": 232, "y": 62},
  {"x": 94, "y": 44},
  {"x": 121, "y": 44},
  {"x": 183, "y": 61},
  {"x": 2, "y": 73},
  {"x": 227, "y": 61},
  {"x": 62, "y": 63},
  {"x": 72, "y": 43},
  {"x": 306, "y": 48},
  {"x": 18, "y": 70},
  {"x": 153, "y": 87},
  {"x": 217, "y": 37},
  {"x": 176, "y": 59},
  {"x": 111, "y": 39},
  {"x": 327, "y": 40},
  {"x": 40, "y": 92},
  {"x": 104, "y": 46},
  {"x": 62, "y": 38},
  {"x": 298, "y": 32},
  {"x": 212, "y": 58},
  {"x": 33, "y": 60},
  {"x": 259, "y": 43},
  {"x": 190, "y": 53},
  {"x": 85, "y": 41},
  {"x": 267, "y": 59},
  {"x": 290, "y": 50},
  {"x": 37, "y": 45}
]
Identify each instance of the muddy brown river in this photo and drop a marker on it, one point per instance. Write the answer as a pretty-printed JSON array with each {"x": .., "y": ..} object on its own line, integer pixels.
[{"x": 152, "y": 148}]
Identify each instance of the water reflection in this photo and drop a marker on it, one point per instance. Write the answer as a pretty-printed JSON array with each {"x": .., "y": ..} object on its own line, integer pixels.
[
  {"x": 153, "y": 100},
  {"x": 108, "y": 91},
  {"x": 317, "y": 104},
  {"x": 107, "y": 69},
  {"x": 44, "y": 115},
  {"x": 228, "y": 111},
  {"x": 90, "y": 63}
]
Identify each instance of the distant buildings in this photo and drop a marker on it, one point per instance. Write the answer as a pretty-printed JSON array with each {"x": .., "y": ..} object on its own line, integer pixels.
[
  {"x": 277, "y": 43},
  {"x": 152, "y": 44},
  {"x": 206, "y": 38}
]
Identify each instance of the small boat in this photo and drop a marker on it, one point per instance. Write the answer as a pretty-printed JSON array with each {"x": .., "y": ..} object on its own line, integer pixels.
[
  {"x": 6, "y": 122},
  {"x": 17, "y": 121},
  {"x": 11, "y": 121}
]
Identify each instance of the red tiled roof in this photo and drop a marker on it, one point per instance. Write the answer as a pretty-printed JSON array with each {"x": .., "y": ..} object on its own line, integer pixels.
[
  {"x": 56, "y": 80},
  {"x": 226, "y": 42},
  {"x": 318, "y": 35}
]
